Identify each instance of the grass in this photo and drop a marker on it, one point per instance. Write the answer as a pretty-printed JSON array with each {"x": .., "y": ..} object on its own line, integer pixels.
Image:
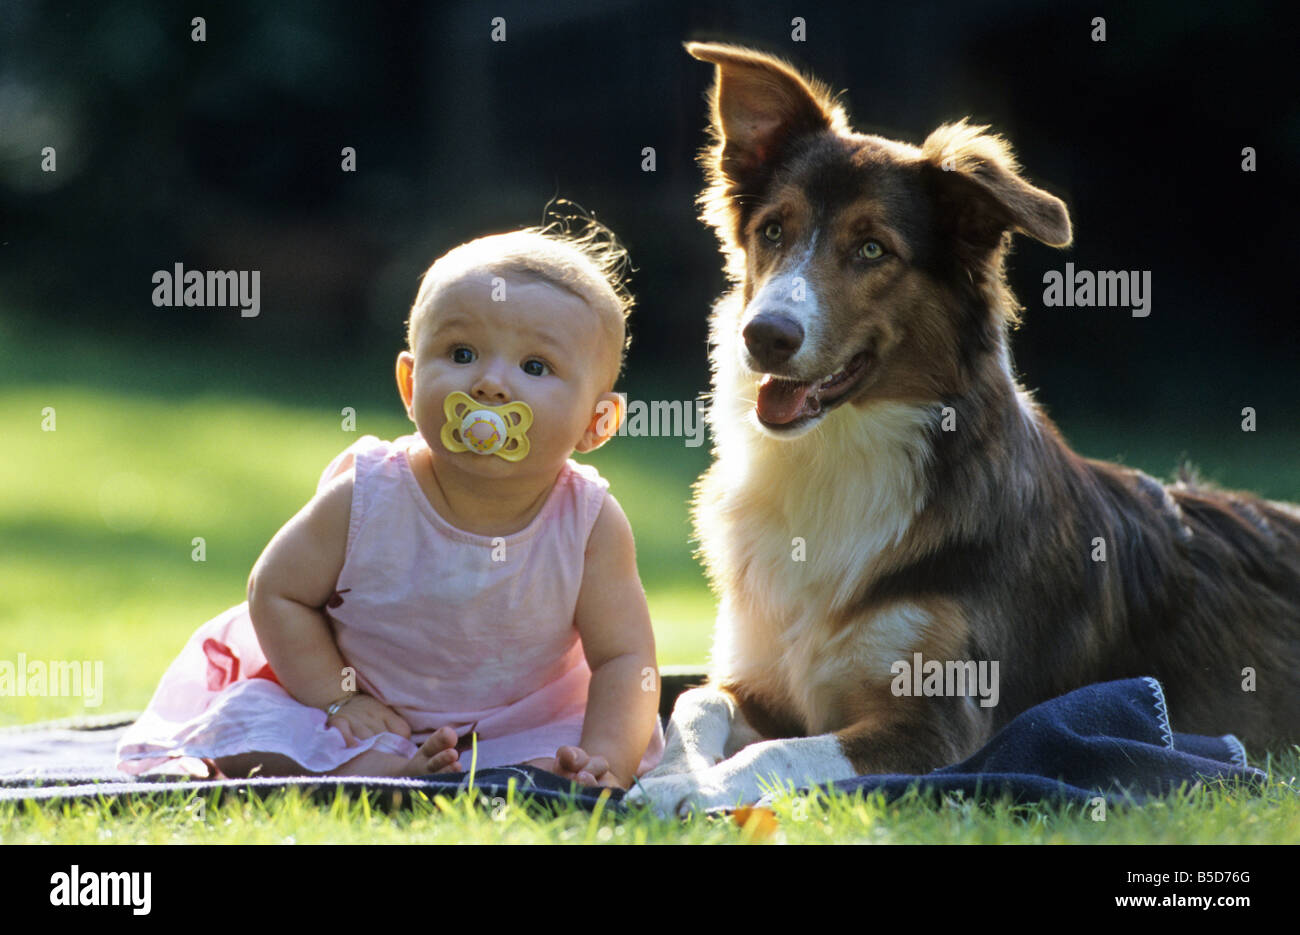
[
  {"x": 154, "y": 448},
  {"x": 1192, "y": 815}
]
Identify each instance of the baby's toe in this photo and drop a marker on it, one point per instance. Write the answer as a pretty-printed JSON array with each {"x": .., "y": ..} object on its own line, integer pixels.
[
  {"x": 448, "y": 761},
  {"x": 422, "y": 764},
  {"x": 571, "y": 759},
  {"x": 444, "y": 738}
]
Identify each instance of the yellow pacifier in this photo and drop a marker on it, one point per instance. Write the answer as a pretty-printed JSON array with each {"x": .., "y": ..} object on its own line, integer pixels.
[{"x": 486, "y": 430}]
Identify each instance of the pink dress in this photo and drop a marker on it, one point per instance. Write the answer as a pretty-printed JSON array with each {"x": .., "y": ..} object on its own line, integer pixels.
[{"x": 444, "y": 626}]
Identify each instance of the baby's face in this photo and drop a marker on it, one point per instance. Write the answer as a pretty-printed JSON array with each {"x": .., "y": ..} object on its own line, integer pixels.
[{"x": 542, "y": 345}]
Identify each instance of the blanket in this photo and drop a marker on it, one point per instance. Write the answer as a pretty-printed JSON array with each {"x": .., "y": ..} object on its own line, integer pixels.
[
  {"x": 1111, "y": 740},
  {"x": 75, "y": 759}
]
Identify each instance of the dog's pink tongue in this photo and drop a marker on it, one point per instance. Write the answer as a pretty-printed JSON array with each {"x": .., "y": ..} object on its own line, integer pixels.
[{"x": 780, "y": 401}]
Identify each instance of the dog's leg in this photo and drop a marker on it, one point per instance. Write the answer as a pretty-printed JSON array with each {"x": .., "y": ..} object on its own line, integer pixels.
[
  {"x": 747, "y": 776},
  {"x": 715, "y": 756},
  {"x": 699, "y": 731},
  {"x": 919, "y": 736},
  {"x": 707, "y": 727}
]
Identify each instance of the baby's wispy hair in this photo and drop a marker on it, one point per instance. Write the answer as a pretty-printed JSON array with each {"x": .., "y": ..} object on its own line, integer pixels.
[{"x": 570, "y": 249}]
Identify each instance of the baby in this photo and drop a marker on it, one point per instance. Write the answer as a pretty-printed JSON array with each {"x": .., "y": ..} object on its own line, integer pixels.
[{"x": 467, "y": 579}]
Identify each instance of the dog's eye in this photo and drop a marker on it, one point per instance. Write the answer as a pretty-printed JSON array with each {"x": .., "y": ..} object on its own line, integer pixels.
[
  {"x": 772, "y": 232},
  {"x": 871, "y": 250}
]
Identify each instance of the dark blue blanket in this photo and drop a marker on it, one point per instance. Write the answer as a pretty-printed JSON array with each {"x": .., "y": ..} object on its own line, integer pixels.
[
  {"x": 1111, "y": 740},
  {"x": 493, "y": 784}
]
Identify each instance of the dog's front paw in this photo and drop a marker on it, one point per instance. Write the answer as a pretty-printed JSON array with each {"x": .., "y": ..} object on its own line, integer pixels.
[
  {"x": 677, "y": 796},
  {"x": 663, "y": 793}
]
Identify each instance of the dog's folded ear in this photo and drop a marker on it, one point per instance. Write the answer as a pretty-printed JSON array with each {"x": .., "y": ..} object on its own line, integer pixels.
[
  {"x": 758, "y": 106},
  {"x": 982, "y": 178}
]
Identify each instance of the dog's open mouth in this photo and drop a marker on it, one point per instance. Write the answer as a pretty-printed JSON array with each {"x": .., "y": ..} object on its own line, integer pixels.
[{"x": 783, "y": 402}]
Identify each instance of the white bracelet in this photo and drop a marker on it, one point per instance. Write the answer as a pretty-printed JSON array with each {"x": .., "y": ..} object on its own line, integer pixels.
[{"x": 337, "y": 704}]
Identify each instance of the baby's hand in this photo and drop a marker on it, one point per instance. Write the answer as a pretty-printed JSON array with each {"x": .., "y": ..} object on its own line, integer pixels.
[
  {"x": 364, "y": 717},
  {"x": 576, "y": 764}
]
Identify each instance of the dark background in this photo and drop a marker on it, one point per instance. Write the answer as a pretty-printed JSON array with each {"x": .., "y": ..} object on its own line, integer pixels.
[{"x": 226, "y": 155}]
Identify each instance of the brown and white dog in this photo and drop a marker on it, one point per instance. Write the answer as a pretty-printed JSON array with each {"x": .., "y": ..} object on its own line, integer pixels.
[{"x": 882, "y": 486}]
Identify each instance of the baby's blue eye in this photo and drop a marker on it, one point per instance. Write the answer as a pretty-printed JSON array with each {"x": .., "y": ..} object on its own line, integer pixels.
[
  {"x": 462, "y": 355},
  {"x": 535, "y": 368}
]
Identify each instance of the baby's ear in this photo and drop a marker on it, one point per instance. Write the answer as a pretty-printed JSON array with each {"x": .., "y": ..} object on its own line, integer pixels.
[
  {"x": 605, "y": 420},
  {"x": 984, "y": 193},
  {"x": 405, "y": 379}
]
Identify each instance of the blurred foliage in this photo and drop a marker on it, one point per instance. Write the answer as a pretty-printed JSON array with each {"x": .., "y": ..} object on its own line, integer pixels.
[{"x": 226, "y": 154}]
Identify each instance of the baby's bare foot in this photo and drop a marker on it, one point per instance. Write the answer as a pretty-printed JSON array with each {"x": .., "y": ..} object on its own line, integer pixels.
[
  {"x": 544, "y": 762},
  {"x": 576, "y": 764},
  {"x": 438, "y": 754}
]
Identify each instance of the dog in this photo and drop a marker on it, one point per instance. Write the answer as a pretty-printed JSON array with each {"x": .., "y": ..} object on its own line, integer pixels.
[{"x": 884, "y": 493}]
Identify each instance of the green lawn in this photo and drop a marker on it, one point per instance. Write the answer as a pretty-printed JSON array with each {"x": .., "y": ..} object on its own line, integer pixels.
[
  {"x": 1197, "y": 815},
  {"x": 98, "y": 517},
  {"x": 153, "y": 448}
]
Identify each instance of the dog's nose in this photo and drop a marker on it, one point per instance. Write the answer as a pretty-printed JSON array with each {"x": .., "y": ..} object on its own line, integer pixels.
[{"x": 772, "y": 339}]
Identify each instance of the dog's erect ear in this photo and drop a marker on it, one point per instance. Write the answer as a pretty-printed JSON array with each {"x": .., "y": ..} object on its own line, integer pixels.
[
  {"x": 759, "y": 105},
  {"x": 980, "y": 170}
]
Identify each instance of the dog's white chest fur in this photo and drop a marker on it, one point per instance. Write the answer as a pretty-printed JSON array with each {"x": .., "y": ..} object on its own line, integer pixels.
[{"x": 791, "y": 530}]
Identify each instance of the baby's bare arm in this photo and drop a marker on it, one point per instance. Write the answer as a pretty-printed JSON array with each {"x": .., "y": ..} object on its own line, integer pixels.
[
  {"x": 614, "y": 623},
  {"x": 288, "y": 588}
]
